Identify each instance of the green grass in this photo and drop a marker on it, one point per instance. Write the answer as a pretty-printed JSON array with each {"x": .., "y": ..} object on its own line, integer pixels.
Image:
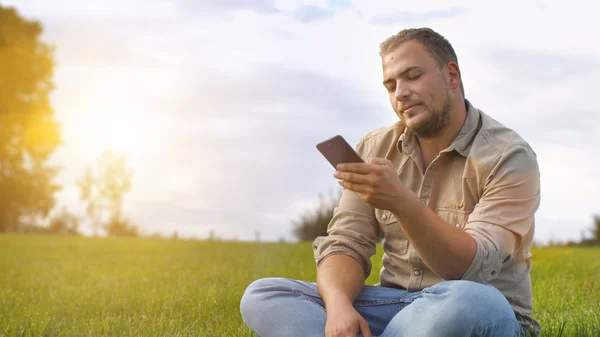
[{"x": 70, "y": 286}]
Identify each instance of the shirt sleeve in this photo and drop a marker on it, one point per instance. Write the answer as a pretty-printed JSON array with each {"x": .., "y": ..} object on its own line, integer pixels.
[
  {"x": 352, "y": 231},
  {"x": 505, "y": 212}
]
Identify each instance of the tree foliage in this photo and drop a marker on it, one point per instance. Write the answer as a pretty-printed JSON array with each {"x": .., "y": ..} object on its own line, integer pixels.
[
  {"x": 64, "y": 222},
  {"x": 314, "y": 222},
  {"x": 29, "y": 133},
  {"x": 594, "y": 233},
  {"x": 103, "y": 189},
  {"x": 121, "y": 227}
]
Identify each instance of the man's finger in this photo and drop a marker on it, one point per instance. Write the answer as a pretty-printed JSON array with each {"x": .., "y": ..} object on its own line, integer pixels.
[
  {"x": 358, "y": 188},
  {"x": 352, "y": 177},
  {"x": 364, "y": 329},
  {"x": 379, "y": 161},
  {"x": 361, "y": 168}
]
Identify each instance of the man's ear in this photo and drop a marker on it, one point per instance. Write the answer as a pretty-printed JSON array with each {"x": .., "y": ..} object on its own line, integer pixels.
[{"x": 453, "y": 73}]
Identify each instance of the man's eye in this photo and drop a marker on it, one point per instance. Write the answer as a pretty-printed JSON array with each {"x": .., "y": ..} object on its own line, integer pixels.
[
  {"x": 412, "y": 78},
  {"x": 391, "y": 88}
]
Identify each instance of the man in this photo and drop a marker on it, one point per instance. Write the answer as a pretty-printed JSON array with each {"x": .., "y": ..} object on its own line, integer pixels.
[{"x": 454, "y": 193}]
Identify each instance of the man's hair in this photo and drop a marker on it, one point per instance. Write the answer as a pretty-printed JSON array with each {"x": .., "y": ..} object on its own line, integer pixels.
[{"x": 436, "y": 45}]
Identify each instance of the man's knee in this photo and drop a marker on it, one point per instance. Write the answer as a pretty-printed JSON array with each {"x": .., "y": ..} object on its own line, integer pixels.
[
  {"x": 261, "y": 296},
  {"x": 472, "y": 306},
  {"x": 255, "y": 295},
  {"x": 476, "y": 296},
  {"x": 457, "y": 308}
]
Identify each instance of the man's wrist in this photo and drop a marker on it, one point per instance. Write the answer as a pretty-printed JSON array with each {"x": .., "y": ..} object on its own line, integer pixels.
[
  {"x": 405, "y": 201},
  {"x": 407, "y": 205},
  {"x": 337, "y": 300}
]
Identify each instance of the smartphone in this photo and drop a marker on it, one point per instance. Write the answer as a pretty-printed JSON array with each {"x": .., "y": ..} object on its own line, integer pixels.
[{"x": 337, "y": 150}]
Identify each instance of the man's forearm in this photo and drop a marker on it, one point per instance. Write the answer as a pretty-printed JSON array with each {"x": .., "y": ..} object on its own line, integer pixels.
[
  {"x": 340, "y": 280},
  {"x": 446, "y": 250}
]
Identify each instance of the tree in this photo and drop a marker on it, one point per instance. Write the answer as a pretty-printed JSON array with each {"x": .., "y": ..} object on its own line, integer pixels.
[
  {"x": 121, "y": 227},
  {"x": 211, "y": 235},
  {"x": 596, "y": 230},
  {"x": 64, "y": 222},
  {"x": 103, "y": 190},
  {"x": 595, "y": 233},
  {"x": 29, "y": 133},
  {"x": 314, "y": 223}
]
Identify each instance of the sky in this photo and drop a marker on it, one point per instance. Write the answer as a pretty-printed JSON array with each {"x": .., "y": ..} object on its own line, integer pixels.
[{"x": 218, "y": 104}]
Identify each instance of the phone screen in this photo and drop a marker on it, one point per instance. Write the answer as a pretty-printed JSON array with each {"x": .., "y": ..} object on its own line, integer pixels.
[{"x": 337, "y": 150}]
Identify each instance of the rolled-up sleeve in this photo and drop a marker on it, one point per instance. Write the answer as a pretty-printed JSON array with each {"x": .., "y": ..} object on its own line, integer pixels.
[
  {"x": 505, "y": 212},
  {"x": 352, "y": 231}
]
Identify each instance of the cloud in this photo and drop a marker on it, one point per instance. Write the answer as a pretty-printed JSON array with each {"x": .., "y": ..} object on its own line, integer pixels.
[
  {"x": 540, "y": 67},
  {"x": 545, "y": 95},
  {"x": 97, "y": 44},
  {"x": 237, "y": 148},
  {"x": 272, "y": 91},
  {"x": 311, "y": 13},
  {"x": 145, "y": 40},
  {"x": 250, "y": 140},
  {"x": 304, "y": 13},
  {"x": 203, "y": 7},
  {"x": 236, "y": 94},
  {"x": 107, "y": 9},
  {"x": 339, "y": 4},
  {"x": 410, "y": 18}
]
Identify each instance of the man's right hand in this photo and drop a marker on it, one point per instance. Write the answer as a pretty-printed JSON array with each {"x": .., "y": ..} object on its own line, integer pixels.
[
  {"x": 344, "y": 321},
  {"x": 340, "y": 279}
]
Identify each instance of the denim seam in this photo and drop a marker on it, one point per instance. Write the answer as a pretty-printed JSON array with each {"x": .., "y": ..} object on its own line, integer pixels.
[
  {"x": 362, "y": 303},
  {"x": 379, "y": 302},
  {"x": 493, "y": 324},
  {"x": 298, "y": 291},
  {"x": 308, "y": 298}
]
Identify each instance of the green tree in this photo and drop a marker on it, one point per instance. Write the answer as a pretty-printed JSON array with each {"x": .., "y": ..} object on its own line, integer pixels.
[
  {"x": 64, "y": 222},
  {"x": 595, "y": 233},
  {"x": 596, "y": 230},
  {"x": 117, "y": 226},
  {"x": 103, "y": 190},
  {"x": 29, "y": 133},
  {"x": 314, "y": 222}
]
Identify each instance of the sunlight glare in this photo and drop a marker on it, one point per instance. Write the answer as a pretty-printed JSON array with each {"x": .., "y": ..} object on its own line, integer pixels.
[{"x": 122, "y": 132}]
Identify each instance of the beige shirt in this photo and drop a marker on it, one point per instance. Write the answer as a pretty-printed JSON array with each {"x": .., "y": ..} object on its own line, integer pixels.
[{"x": 487, "y": 183}]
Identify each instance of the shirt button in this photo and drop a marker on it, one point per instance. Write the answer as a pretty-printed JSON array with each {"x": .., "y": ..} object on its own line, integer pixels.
[
  {"x": 457, "y": 225},
  {"x": 417, "y": 272},
  {"x": 385, "y": 217}
]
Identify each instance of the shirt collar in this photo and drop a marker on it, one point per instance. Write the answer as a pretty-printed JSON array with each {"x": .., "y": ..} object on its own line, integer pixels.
[{"x": 407, "y": 142}]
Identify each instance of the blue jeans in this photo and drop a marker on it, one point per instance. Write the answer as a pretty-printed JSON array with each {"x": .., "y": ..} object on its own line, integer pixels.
[{"x": 287, "y": 308}]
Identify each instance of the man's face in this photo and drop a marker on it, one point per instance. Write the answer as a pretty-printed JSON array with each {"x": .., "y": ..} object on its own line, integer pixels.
[{"x": 418, "y": 88}]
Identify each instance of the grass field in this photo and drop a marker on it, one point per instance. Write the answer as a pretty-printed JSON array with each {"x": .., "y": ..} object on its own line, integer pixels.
[{"x": 70, "y": 286}]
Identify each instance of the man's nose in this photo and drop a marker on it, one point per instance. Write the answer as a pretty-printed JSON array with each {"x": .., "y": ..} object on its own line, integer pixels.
[{"x": 402, "y": 93}]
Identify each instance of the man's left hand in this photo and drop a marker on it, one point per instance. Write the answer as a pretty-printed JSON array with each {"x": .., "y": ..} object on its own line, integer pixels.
[{"x": 376, "y": 183}]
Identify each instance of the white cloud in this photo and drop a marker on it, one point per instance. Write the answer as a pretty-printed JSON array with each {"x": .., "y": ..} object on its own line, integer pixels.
[
  {"x": 251, "y": 156},
  {"x": 107, "y": 8}
]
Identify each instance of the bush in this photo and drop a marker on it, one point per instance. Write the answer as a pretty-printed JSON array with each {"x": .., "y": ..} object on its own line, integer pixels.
[
  {"x": 64, "y": 222},
  {"x": 315, "y": 222},
  {"x": 121, "y": 227}
]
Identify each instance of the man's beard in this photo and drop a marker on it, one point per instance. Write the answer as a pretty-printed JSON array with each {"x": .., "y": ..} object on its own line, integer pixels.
[{"x": 438, "y": 119}]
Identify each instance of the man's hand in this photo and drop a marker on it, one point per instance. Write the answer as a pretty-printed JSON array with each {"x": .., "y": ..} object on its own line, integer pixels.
[
  {"x": 376, "y": 183},
  {"x": 345, "y": 321}
]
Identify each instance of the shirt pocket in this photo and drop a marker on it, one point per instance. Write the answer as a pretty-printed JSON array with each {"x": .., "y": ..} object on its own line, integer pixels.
[
  {"x": 394, "y": 238},
  {"x": 454, "y": 217}
]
